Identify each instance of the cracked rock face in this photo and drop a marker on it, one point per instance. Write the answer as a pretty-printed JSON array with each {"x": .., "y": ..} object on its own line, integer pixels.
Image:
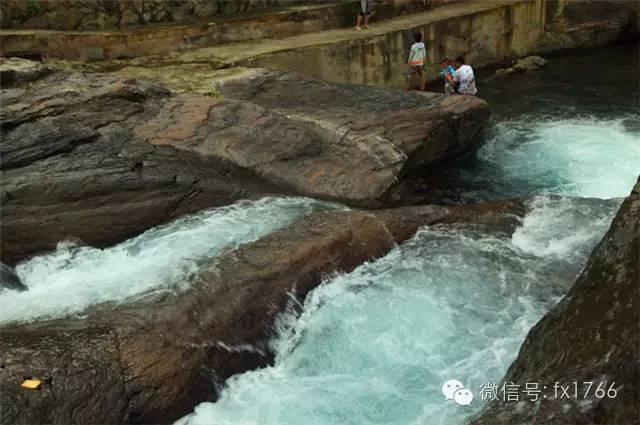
[
  {"x": 348, "y": 142},
  {"x": 342, "y": 142},
  {"x": 100, "y": 158},
  {"x": 152, "y": 361},
  {"x": 591, "y": 335},
  {"x": 77, "y": 162}
]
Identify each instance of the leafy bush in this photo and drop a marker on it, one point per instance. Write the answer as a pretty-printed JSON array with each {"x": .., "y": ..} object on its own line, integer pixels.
[{"x": 33, "y": 8}]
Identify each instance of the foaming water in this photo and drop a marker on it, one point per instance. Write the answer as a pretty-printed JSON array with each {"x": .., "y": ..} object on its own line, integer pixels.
[
  {"x": 578, "y": 157},
  {"x": 534, "y": 154},
  {"x": 73, "y": 278},
  {"x": 544, "y": 231},
  {"x": 374, "y": 346}
]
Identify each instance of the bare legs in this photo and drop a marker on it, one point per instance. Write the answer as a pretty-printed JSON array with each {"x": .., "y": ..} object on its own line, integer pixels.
[
  {"x": 359, "y": 21},
  {"x": 413, "y": 73}
]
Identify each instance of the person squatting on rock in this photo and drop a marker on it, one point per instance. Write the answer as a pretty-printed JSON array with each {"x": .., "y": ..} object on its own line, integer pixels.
[
  {"x": 464, "y": 76},
  {"x": 448, "y": 73},
  {"x": 365, "y": 11},
  {"x": 416, "y": 62}
]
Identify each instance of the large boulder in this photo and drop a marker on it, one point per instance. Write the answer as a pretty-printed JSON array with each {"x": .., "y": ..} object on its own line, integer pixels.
[
  {"x": 343, "y": 142},
  {"x": 591, "y": 338},
  {"x": 153, "y": 360},
  {"x": 77, "y": 162},
  {"x": 530, "y": 63},
  {"x": 366, "y": 139},
  {"x": 82, "y": 150}
]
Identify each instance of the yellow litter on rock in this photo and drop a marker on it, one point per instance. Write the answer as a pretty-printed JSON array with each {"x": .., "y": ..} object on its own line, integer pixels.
[{"x": 31, "y": 384}]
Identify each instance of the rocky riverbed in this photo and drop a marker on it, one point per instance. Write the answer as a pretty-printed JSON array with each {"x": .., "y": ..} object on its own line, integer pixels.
[
  {"x": 152, "y": 361},
  {"x": 589, "y": 339},
  {"x": 83, "y": 150},
  {"x": 96, "y": 159}
]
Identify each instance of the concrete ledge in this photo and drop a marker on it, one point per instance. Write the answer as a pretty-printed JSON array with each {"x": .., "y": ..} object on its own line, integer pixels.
[
  {"x": 159, "y": 39},
  {"x": 101, "y": 45}
]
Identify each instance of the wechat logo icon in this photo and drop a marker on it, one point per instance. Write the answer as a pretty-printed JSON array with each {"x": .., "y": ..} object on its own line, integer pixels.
[{"x": 454, "y": 390}]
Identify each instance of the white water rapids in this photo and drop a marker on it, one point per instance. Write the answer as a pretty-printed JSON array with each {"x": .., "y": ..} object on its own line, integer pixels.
[
  {"x": 374, "y": 346},
  {"x": 164, "y": 258}
]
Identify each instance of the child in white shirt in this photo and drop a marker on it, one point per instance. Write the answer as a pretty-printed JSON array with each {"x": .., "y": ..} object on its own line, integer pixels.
[
  {"x": 417, "y": 60},
  {"x": 465, "y": 77}
]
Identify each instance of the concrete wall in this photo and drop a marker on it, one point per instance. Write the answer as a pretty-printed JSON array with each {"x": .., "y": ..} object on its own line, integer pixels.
[
  {"x": 487, "y": 36},
  {"x": 484, "y": 32},
  {"x": 102, "y": 45},
  {"x": 84, "y": 30}
]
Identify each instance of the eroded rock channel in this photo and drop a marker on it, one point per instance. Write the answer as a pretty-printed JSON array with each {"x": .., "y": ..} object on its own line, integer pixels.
[{"x": 265, "y": 297}]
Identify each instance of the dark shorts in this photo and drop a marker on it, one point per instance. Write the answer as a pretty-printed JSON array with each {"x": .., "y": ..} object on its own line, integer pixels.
[
  {"x": 365, "y": 8},
  {"x": 416, "y": 70}
]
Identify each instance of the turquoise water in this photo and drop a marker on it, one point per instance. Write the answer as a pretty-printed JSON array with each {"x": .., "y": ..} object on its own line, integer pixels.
[
  {"x": 164, "y": 258},
  {"x": 586, "y": 157},
  {"x": 375, "y": 346},
  {"x": 562, "y": 130}
]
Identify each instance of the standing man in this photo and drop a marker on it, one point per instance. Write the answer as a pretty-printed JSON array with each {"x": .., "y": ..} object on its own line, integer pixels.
[
  {"x": 465, "y": 77},
  {"x": 365, "y": 11}
]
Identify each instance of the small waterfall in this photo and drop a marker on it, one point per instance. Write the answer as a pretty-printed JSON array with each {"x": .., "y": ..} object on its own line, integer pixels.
[
  {"x": 376, "y": 345},
  {"x": 586, "y": 157},
  {"x": 72, "y": 278}
]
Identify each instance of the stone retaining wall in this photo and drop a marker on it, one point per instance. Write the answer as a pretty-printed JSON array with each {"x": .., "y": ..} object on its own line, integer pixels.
[
  {"x": 82, "y": 15},
  {"x": 110, "y": 14},
  {"x": 113, "y": 29},
  {"x": 147, "y": 40}
]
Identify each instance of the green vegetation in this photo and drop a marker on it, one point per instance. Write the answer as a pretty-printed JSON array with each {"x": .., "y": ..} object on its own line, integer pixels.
[{"x": 33, "y": 8}]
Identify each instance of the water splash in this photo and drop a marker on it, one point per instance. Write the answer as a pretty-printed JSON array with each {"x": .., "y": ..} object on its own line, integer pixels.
[
  {"x": 584, "y": 157},
  {"x": 544, "y": 231},
  {"x": 375, "y": 345},
  {"x": 164, "y": 258}
]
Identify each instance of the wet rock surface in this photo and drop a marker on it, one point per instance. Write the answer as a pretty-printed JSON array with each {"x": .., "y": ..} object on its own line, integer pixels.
[
  {"x": 591, "y": 335},
  {"x": 10, "y": 280},
  {"x": 152, "y": 361},
  {"x": 75, "y": 163},
  {"x": 530, "y": 63},
  {"x": 345, "y": 142},
  {"x": 527, "y": 64},
  {"x": 100, "y": 158},
  {"x": 496, "y": 217}
]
